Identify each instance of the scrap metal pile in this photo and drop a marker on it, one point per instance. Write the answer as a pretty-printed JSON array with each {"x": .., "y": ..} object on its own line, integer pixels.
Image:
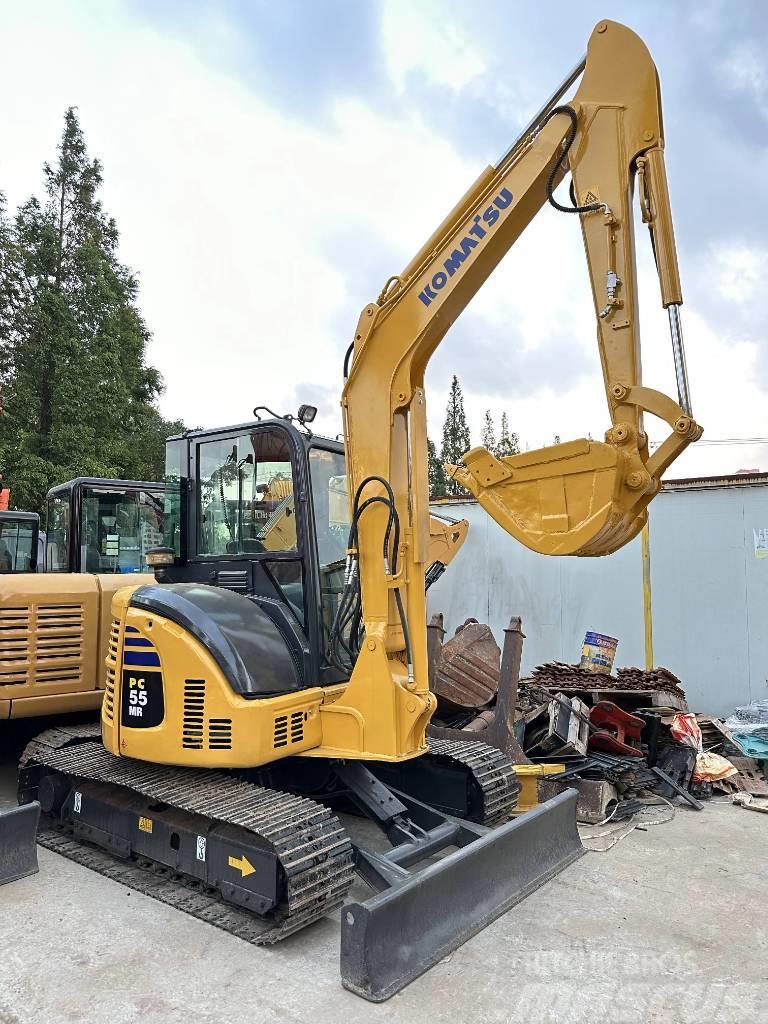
[
  {"x": 557, "y": 674},
  {"x": 660, "y": 678},
  {"x": 621, "y": 740}
]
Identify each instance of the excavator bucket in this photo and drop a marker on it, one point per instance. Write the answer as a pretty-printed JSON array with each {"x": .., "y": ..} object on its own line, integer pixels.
[
  {"x": 398, "y": 934},
  {"x": 579, "y": 498},
  {"x": 18, "y": 842},
  {"x": 466, "y": 674}
]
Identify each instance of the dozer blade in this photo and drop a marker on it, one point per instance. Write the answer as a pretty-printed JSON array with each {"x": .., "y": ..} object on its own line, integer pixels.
[
  {"x": 579, "y": 498},
  {"x": 393, "y": 937},
  {"x": 18, "y": 842}
]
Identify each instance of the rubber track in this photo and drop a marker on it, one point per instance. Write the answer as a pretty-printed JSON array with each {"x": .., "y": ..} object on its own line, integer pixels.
[
  {"x": 492, "y": 771},
  {"x": 309, "y": 842}
]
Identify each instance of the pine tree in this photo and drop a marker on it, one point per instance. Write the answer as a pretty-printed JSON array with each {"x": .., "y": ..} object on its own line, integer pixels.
[
  {"x": 509, "y": 444},
  {"x": 438, "y": 481},
  {"x": 79, "y": 396},
  {"x": 456, "y": 440},
  {"x": 488, "y": 436}
]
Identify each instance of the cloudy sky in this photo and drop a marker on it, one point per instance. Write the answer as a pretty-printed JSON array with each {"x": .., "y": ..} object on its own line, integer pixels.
[{"x": 271, "y": 162}]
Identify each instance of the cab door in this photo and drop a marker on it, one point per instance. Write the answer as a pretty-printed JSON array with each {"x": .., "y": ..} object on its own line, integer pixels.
[{"x": 249, "y": 530}]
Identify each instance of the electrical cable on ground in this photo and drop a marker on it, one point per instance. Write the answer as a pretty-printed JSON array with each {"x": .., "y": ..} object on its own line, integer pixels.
[{"x": 617, "y": 834}]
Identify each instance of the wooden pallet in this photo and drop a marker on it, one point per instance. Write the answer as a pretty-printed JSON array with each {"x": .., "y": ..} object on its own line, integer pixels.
[
  {"x": 750, "y": 779},
  {"x": 715, "y": 737}
]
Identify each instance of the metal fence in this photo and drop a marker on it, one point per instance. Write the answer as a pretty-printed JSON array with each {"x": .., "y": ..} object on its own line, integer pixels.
[{"x": 709, "y": 590}]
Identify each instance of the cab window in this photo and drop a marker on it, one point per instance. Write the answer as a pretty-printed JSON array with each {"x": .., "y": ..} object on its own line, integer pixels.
[
  {"x": 331, "y": 511},
  {"x": 57, "y": 535},
  {"x": 117, "y": 528},
  {"x": 245, "y": 495},
  {"x": 175, "y": 474},
  {"x": 18, "y": 541}
]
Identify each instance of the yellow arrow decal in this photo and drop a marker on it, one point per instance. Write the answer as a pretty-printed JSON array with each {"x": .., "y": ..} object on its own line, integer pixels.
[{"x": 243, "y": 865}]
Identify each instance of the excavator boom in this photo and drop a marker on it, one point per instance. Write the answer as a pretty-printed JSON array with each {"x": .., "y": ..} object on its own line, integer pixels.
[{"x": 579, "y": 498}]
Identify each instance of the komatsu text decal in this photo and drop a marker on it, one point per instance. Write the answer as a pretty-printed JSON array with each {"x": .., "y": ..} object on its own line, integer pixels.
[{"x": 470, "y": 241}]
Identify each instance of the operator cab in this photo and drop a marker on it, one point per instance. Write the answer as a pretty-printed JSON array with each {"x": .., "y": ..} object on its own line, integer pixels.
[
  {"x": 19, "y": 533},
  {"x": 261, "y": 509},
  {"x": 103, "y": 526}
]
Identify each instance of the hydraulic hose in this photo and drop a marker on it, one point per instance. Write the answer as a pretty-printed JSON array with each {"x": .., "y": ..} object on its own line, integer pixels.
[{"x": 562, "y": 163}]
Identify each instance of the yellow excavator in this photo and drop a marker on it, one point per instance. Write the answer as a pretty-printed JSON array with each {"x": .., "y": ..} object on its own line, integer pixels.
[
  {"x": 274, "y": 676},
  {"x": 54, "y": 607}
]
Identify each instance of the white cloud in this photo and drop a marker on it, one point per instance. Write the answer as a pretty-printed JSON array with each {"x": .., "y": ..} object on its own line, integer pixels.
[
  {"x": 744, "y": 69},
  {"x": 222, "y": 202},
  {"x": 418, "y": 37},
  {"x": 740, "y": 272},
  {"x": 226, "y": 206}
]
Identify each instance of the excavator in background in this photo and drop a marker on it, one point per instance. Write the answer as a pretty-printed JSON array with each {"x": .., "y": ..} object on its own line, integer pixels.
[
  {"x": 19, "y": 541},
  {"x": 276, "y": 671},
  {"x": 54, "y": 607}
]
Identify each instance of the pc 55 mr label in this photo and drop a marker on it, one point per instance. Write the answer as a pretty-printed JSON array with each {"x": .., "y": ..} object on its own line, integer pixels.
[{"x": 142, "y": 704}]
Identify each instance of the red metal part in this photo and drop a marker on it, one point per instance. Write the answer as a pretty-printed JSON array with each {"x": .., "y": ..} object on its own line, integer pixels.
[{"x": 615, "y": 729}]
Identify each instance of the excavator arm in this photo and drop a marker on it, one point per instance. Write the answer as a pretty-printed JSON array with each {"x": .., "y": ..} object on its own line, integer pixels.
[{"x": 581, "y": 497}]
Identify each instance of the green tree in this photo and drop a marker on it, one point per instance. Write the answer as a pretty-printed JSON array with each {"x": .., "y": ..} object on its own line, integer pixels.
[
  {"x": 456, "y": 440},
  {"x": 79, "y": 396},
  {"x": 438, "y": 481},
  {"x": 488, "y": 435},
  {"x": 509, "y": 443}
]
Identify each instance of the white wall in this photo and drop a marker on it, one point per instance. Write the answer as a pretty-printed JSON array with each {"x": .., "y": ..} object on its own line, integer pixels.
[{"x": 709, "y": 593}]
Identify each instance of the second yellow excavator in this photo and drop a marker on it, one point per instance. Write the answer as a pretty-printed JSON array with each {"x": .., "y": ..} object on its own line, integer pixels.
[{"x": 276, "y": 674}]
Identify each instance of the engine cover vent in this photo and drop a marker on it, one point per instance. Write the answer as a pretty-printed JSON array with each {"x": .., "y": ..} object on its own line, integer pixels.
[
  {"x": 233, "y": 579},
  {"x": 219, "y": 733},
  {"x": 297, "y": 726},
  {"x": 109, "y": 695},
  {"x": 289, "y": 729},
  {"x": 281, "y": 731},
  {"x": 194, "y": 714}
]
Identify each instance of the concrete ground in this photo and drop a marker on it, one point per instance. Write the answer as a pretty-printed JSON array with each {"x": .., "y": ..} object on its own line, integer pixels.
[{"x": 670, "y": 925}]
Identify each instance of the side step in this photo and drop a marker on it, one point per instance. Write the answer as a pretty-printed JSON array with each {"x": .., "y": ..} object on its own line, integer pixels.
[
  {"x": 398, "y": 934},
  {"x": 18, "y": 842}
]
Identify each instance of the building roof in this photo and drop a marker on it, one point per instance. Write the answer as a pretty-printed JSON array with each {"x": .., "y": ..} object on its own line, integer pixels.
[
  {"x": 748, "y": 478},
  {"x": 744, "y": 479}
]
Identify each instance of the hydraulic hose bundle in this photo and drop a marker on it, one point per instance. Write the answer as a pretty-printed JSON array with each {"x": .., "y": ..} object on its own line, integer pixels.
[{"x": 347, "y": 631}]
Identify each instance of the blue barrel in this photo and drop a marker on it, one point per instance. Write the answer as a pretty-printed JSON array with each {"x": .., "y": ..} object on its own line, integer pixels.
[{"x": 598, "y": 652}]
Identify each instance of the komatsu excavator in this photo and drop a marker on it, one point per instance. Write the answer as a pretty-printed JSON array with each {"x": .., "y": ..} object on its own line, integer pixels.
[{"x": 258, "y": 687}]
